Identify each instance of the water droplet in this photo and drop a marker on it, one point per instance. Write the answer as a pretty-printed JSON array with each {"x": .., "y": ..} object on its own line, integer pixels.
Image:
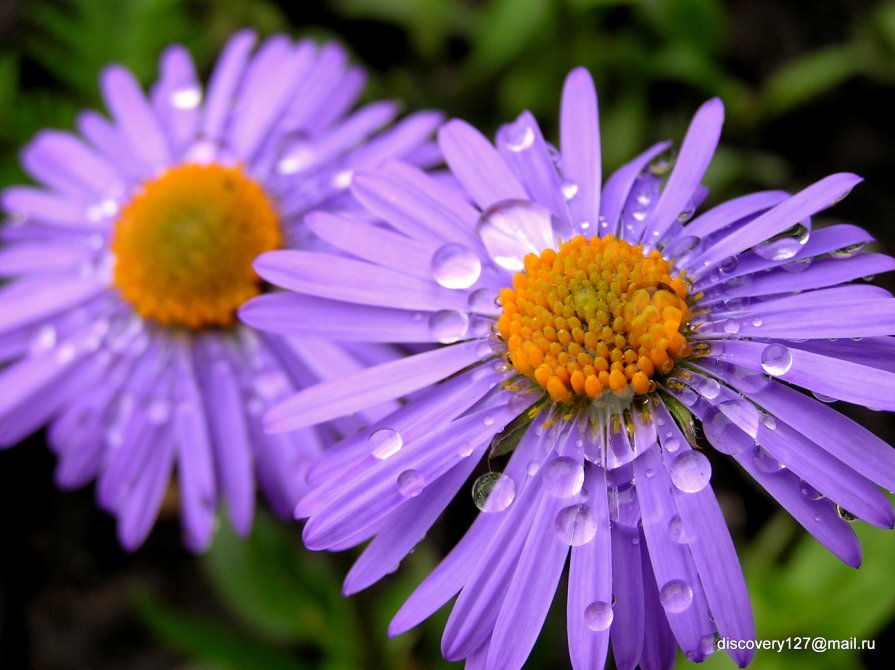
[
  {"x": 845, "y": 515},
  {"x": 518, "y": 136},
  {"x": 685, "y": 215},
  {"x": 769, "y": 422},
  {"x": 662, "y": 164},
  {"x": 776, "y": 359},
  {"x": 681, "y": 246},
  {"x": 448, "y": 325},
  {"x": 465, "y": 449},
  {"x": 186, "y": 98},
  {"x": 824, "y": 398},
  {"x": 798, "y": 265},
  {"x": 576, "y": 525},
  {"x": 455, "y": 266},
  {"x": 677, "y": 530},
  {"x": 849, "y": 251},
  {"x": 707, "y": 387},
  {"x": 757, "y": 322},
  {"x": 493, "y": 492},
  {"x": 767, "y": 463},
  {"x": 385, "y": 442},
  {"x": 483, "y": 300},
  {"x": 784, "y": 246},
  {"x": 731, "y": 326},
  {"x": 563, "y": 477},
  {"x": 598, "y": 616},
  {"x": 43, "y": 340},
  {"x": 66, "y": 353},
  {"x": 532, "y": 468},
  {"x": 690, "y": 471},
  {"x": 729, "y": 265},
  {"x": 514, "y": 228},
  {"x": 569, "y": 189},
  {"x": 411, "y": 483},
  {"x": 676, "y": 596},
  {"x": 809, "y": 491},
  {"x": 488, "y": 420},
  {"x": 158, "y": 411},
  {"x": 671, "y": 445}
]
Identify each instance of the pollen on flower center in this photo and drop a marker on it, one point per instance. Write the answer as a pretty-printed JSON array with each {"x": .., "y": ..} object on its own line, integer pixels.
[
  {"x": 596, "y": 316},
  {"x": 185, "y": 243}
]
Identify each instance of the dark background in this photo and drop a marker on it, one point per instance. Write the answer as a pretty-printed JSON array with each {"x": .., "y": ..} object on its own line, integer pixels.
[{"x": 809, "y": 91}]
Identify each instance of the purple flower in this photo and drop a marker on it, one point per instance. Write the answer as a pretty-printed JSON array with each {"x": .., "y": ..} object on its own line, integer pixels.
[
  {"x": 588, "y": 329},
  {"x": 129, "y": 263}
]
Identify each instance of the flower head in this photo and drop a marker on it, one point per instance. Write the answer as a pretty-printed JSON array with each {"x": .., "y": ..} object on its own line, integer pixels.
[
  {"x": 589, "y": 330},
  {"x": 130, "y": 262}
]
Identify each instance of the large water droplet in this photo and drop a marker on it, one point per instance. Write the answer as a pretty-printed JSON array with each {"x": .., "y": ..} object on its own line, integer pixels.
[
  {"x": 676, "y": 596},
  {"x": 411, "y": 483},
  {"x": 563, "y": 477},
  {"x": 784, "y": 246},
  {"x": 728, "y": 265},
  {"x": 776, "y": 359},
  {"x": 456, "y": 266},
  {"x": 598, "y": 616},
  {"x": 514, "y": 228},
  {"x": 385, "y": 442},
  {"x": 690, "y": 471},
  {"x": 845, "y": 515},
  {"x": 483, "y": 300},
  {"x": 576, "y": 525},
  {"x": 767, "y": 463},
  {"x": 493, "y": 492},
  {"x": 448, "y": 325}
]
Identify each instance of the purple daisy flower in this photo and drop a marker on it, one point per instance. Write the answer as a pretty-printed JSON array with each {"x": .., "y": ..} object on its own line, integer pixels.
[
  {"x": 588, "y": 330},
  {"x": 128, "y": 265}
]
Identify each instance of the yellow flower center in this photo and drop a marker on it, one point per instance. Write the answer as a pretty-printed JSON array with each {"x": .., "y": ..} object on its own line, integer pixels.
[
  {"x": 596, "y": 316},
  {"x": 185, "y": 243}
]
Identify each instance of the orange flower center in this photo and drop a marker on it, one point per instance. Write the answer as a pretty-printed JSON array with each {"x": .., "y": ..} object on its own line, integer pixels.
[
  {"x": 185, "y": 243},
  {"x": 596, "y": 316}
]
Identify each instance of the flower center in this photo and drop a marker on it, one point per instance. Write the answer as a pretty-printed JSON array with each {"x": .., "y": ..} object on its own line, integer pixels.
[
  {"x": 185, "y": 243},
  {"x": 594, "y": 317}
]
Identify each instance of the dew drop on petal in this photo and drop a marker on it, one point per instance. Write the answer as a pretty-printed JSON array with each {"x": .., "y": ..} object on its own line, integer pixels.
[
  {"x": 731, "y": 326},
  {"x": 493, "y": 492},
  {"x": 671, "y": 445},
  {"x": 676, "y": 596},
  {"x": 769, "y": 422},
  {"x": 784, "y": 246},
  {"x": 518, "y": 136},
  {"x": 776, "y": 359},
  {"x": 411, "y": 483},
  {"x": 576, "y": 525},
  {"x": 483, "y": 300},
  {"x": 186, "y": 98},
  {"x": 455, "y": 266},
  {"x": 385, "y": 443},
  {"x": 569, "y": 189},
  {"x": 845, "y": 515},
  {"x": 824, "y": 398},
  {"x": 849, "y": 251},
  {"x": 465, "y": 449},
  {"x": 598, "y": 615},
  {"x": 677, "y": 530},
  {"x": 690, "y": 471},
  {"x": 563, "y": 477},
  {"x": 448, "y": 325},
  {"x": 728, "y": 265},
  {"x": 767, "y": 463}
]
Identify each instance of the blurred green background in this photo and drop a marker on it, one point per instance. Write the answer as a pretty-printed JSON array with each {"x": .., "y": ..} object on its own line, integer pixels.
[{"x": 809, "y": 90}]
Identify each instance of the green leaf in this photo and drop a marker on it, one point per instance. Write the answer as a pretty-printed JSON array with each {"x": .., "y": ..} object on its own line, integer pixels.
[
  {"x": 281, "y": 591},
  {"x": 209, "y": 641},
  {"x": 811, "y": 75},
  {"x": 504, "y": 31}
]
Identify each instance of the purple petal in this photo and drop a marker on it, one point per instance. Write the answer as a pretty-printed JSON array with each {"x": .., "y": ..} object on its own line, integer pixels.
[
  {"x": 135, "y": 117},
  {"x": 579, "y": 131},
  {"x": 590, "y": 583},
  {"x": 696, "y": 153},
  {"x": 331, "y": 399},
  {"x": 733, "y": 210},
  {"x": 177, "y": 96},
  {"x": 478, "y": 165},
  {"x": 338, "y": 278},
  {"x": 618, "y": 187},
  {"x": 374, "y": 243},
  {"x": 627, "y": 630},
  {"x": 225, "y": 79},
  {"x": 803, "y": 204}
]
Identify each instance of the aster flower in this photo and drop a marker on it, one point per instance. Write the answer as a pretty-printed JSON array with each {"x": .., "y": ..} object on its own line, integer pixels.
[
  {"x": 128, "y": 265},
  {"x": 588, "y": 331}
]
